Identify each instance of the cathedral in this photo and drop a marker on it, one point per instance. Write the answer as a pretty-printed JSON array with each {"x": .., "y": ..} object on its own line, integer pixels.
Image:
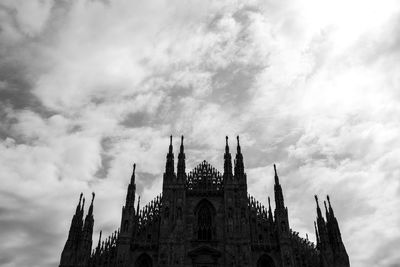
[{"x": 204, "y": 218}]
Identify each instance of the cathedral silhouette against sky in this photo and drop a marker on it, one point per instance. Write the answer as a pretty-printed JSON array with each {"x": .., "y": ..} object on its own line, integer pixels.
[{"x": 204, "y": 218}]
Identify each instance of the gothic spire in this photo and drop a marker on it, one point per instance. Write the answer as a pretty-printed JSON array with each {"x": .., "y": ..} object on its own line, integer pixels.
[
  {"x": 87, "y": 233},
  {"x": 326, "y": 211},
  {"x": 69, "y": 253},
  {"x": 181, "y": 163},
  {"x": 130, "y": 195},
  {"x": 319, "y": 213},
  {"x": 90, "y": 213},
  {"x": 79, "y": 217},
  {"x": 270, "y": 217},
  {"x": 322, "y": 227},
  {"x": 82, "y": 208},
  {"x": 169, "y": 166},
  {"x": 133, "y": 174},
  {"x": 227, "y": 162},
  {"x": 330, "y": 207},
  {"x": 181, "y": 147},
  {"x": 276, "y": 176},
  {"x": 76, "y": 223},
  {"x": 239, "y": 166},
  {"x": 333, "y": 227},
  {"x": 238, "y": 145},
  {"x": 78, "y": 207},
  {"x": 279, "y": 201}
]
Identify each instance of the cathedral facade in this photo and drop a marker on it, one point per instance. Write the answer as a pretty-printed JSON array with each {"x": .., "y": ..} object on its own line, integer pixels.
[{"x": 204, "y": 218}]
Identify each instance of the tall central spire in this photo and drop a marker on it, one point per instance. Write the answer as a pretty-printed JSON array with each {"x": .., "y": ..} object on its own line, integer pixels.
[
  {"x": 239, "y": 166},
  {"x": 227, "y": 162},
  {"x": 169, "y": 166},
  {"x": 130, "y": 196},
  {"x": 181, "y": 163},
  {"x": 279, "y": 202},
  {"x": 276, "y": 176}
]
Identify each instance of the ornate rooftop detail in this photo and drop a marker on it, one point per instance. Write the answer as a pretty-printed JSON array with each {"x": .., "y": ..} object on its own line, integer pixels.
[
  {"x": 204, "y": 179},
  {"x": 196, "y": 216}
]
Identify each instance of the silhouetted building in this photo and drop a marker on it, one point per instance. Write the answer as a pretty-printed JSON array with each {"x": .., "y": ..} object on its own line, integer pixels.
[{"x": 204, "y": 218}]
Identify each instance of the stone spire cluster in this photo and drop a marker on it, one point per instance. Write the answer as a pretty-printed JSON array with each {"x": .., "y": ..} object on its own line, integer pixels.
[
  {"x": 238, "y": 176},
  {"x": 77, "y": 249},
  {"x": 170, "y": 177},
  {"x": 204, "y": 217},
  {"x": 328, "y": 237},
  {"x": 128, "y": 219}
]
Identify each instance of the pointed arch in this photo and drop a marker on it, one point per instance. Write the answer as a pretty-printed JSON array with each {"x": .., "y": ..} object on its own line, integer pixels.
[
  {"x": 144, "y": 260},
  {"x": 205, "y": 214}
]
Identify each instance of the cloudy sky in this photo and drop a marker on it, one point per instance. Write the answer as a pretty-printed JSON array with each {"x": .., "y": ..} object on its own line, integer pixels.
[{"x": 89, "y": 87}]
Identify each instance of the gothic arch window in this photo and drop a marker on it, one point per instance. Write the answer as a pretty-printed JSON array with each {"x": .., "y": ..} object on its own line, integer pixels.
[
  {"x": 204, "y": 223},
  {"x": 205, "y": 213},
  {"x": 144, "y": 260}
]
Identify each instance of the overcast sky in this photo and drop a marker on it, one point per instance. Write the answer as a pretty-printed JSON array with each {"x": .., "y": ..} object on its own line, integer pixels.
[{"x": 89, "y": 87}]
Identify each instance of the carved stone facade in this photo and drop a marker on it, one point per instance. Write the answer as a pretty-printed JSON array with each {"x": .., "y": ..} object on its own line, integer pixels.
[{"x": 204, "y": 218}]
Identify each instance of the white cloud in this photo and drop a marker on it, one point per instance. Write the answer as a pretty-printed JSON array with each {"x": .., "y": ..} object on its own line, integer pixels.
[{"x": 309, "y": 85}]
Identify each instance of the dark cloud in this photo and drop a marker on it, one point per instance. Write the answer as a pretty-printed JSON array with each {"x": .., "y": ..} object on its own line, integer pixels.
[
  {"x": 106, "y": 158},
  {"x": 145, "y": 180},
  {"x": 231, "y": 86},
  {"x": 11, "y": 16},
  {"x": 138, "y": 119},
  {"x": 16, "y": 92}
]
